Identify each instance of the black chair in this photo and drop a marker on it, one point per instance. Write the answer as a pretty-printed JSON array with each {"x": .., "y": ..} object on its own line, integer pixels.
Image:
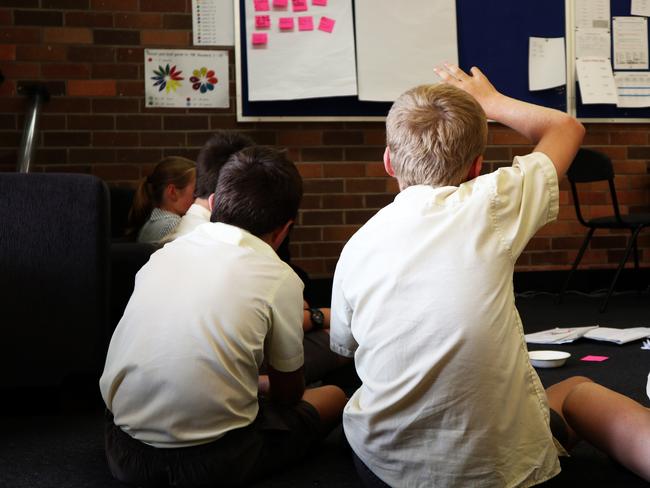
[
  {"x": 591, "y": 166},
  {"x": 54, "y": 245}
]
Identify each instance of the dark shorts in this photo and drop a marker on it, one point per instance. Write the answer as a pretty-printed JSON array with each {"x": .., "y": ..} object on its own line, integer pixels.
[
  {"x": 370, "y": 480},
  {"x": 277, "y": 438}
]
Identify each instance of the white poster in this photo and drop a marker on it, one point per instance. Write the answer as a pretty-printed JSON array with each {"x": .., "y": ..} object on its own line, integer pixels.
[
  {"x": 640, "y": 7},
  {"x": 399, "y": 44},
  {"x": 630, "y": 42},
  {"x": 633, "y": 88},
  {"x": 592, "y": 14},
  {"x": 213, "y": 23},
  {"x": 546, "y": 63},
  {"x": 299, "y": 49},
  {"x": 593, "y": 43},
  {"x": 596, "y": 81},
  {"x": 186, "y": 78}
]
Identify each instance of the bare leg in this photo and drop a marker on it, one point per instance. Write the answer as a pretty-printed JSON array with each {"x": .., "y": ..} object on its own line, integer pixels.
[
  {"x": 557, "y": 394},
  {"x": 614, "y": 423},
  {"x": 329, "y": 402}
]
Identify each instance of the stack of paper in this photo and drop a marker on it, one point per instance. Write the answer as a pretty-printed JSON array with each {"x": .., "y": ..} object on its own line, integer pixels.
[
  {"x": 618, "y": 336},
  {"x": 558, "y": 335}
]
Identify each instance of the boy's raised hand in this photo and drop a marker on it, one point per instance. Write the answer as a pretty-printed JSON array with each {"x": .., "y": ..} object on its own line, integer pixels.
[{"x": 475, "y": 84}]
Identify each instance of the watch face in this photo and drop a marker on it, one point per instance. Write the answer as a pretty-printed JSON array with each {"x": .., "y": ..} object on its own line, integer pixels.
[{"x": 317, "y": 317}]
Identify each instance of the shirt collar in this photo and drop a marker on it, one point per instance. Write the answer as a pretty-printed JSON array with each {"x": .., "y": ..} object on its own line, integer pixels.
[{"x": 237, "y": 236}]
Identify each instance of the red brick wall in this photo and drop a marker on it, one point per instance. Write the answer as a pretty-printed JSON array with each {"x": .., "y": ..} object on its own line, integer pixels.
[{"x": 90, "y": 54}]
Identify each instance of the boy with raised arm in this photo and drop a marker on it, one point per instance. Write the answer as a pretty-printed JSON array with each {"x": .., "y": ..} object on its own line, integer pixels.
[
  {"x": 185, "y": 403},
  {"x": 423, "y": 297}
]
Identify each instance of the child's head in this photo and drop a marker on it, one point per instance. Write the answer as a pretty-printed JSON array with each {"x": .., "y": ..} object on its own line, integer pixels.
[
  {"x": 259, "y": 190},
  {"x": 213, "y": 156},
  {"x": 170, "y": 186},
  {"x": 434, "y": 133}
]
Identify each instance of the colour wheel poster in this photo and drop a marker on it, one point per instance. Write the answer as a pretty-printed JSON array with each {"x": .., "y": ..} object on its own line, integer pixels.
[{"x": 186, "y": 78}]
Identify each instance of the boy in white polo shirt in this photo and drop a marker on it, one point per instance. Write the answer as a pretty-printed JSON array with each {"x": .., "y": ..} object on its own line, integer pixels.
[
  {"x": 423, "y": 297},
  {"x": 186, "y": 405}
]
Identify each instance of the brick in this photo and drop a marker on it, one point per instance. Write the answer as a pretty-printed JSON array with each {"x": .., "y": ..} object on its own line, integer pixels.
[
  {"x": 91, "y": 122},
  {"x": 365, "y": 153},
  {"x": 300, "y": 138},
  {"x": 68, "y": 169},
  {"x": 88, "y": 19},
  {"x": 114, "y": 5},
  {"x": 165, "y": 38},
  {"x": 323, "y": 186},
  {"x": 51, "y": 156},
  {"x": 310, "y": 170},
  {"x": 116, "y": 172},
  {"x": 116, "y": 37},
  {"x": 188, "y": 153},
  {"x": 359, "y": 217},
  {"x": 492, "y": 153},
  {"x": 91, "y": 54},
  {"x": 67, "y": 105},
  {"x": 115, "y": 105},
  {"x": 163, "y": 5},
  {"x": 321, "y": 249},
  {"x": 311, "y": 202},
  {"x": 140, "y": 21},
  {"x": 21, "y": 3},
  {"x": 375, "y": 170},
  {"x": 138, "y": 156},
  {"x": 130, "y": 55},
  {"x": 58, "y": 139},
  {"x": 54, "y": 88},
  {"x": 7, "y": 122},
  {"x": 177, "y": 21},
  {"x": 317, "y": 217},
  {"x": 163, "y": 139},
  {"x": 37, "y": 17},
  {"x": 65, "y": 70},
  {"x": 91, "y": 156},
  {"x": 21, "y": 70},
  {"x": 266, "y": 137},
  {"x": 630, "y": 138},
  {"x": 91, "y": 88},
  {"x": 375, "y": 137},
  {"x": 306, "y": 234},
  {"x": 10, "y": 139},
  {"x": 508, "y": 137},
  {"x": 344, "y": 201},
  {"x": 116, "y": 71},
  {"x": 339, "y": 233},
  {"x": 68, "y": 35},
  {"x": 185, "y": 122},
  {"x": 365, "y": 185},
  {"x": 20, "y": 35},
  {"x": 66, "y": 4},
  {"x": 346, "y": 170},
  {"x": 7, "y": 52},
  {"x": 313, "y": 267},
  {"x": 378, "y": 201},
  {"x": 138, "y": 122},
  {"x": 549, "y": 257},
  {"x": 115, "y": 139},
  {"x": 5, "y": 17},
  {"x": 322, "y": 154},
  {"x": 40, "y": 53},
  {"x": 130, "y": 89},
  {"x": 342, "y": 138}
]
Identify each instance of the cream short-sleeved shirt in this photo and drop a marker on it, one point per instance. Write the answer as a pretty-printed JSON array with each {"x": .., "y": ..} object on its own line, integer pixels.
[
  {"x": 423, "y": 299},
  {"x": 182, "y": 366},
  {"x": 196, "y": 215}
]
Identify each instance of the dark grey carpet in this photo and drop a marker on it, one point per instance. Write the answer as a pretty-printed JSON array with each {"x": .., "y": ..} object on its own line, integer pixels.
[{"x": 64, "y": 450}]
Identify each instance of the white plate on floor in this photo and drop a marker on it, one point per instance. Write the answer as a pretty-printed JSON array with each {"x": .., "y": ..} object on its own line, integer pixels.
[{"x": 548, "y": 359}]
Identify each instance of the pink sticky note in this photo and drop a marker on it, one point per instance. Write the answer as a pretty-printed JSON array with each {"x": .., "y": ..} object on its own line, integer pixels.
[
  {"x": 262, "y": 5},
  {"x": 306, "y": 23},
  {"x": 262, "y": 21},
  {"x": 280, "y": 3},
  {"x": 596, "y": 359},
  {"x": 320, "y": 3},
  {"x": 260, "y": 39},
  {"x": 326, "y": 24},
  {"x": 286, "y": 23},
  {"x": 299, "y": 5}
]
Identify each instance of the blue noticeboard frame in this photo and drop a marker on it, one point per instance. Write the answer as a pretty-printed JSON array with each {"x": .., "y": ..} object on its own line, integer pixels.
[
  {"x": 492, "y": 34},
  {"x": 611, "y": 113}
]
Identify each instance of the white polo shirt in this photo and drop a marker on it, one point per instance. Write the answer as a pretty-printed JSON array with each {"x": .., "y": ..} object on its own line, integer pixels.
[
  {"x": 423, "y": 298},
  {"x": 182, "y": 366}
]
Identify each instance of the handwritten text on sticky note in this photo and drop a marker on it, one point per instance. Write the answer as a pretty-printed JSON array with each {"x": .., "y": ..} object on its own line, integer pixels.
[
  {"x": 260, "y": 39},
  {"x": 262, "y": 21},
  {"x": 326, "y": 24},
  {"x": 306, "y": 23},
  {"x": 299, "y": 5},
  {"x": 286, "y": 23},
  {"x": 261, "y": 5}
]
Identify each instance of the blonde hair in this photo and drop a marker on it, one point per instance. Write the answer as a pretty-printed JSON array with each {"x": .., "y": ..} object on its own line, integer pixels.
[
  {"x": 434, "y": 133},
  {"x": 174, "y": 170}
]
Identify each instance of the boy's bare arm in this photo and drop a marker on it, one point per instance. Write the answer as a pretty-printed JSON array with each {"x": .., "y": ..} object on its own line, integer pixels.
[{"x": 555, "y": 133}]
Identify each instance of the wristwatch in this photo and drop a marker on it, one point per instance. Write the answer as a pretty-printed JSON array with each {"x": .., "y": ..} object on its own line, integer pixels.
[{"x": 317, "y": 318}]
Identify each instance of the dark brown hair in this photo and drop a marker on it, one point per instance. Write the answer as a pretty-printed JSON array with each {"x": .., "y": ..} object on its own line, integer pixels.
[{"x": 259, "y": 190}]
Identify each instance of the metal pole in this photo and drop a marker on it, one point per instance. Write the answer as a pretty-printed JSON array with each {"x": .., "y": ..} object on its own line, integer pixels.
[{"x": 37, "y": 95}]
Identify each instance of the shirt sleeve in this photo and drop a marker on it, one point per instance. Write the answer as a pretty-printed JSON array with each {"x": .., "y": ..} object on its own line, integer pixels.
[
  {"x": 341, "y": 340},
  {"x": 526, "y": 198},
  {"x": 284, "y": 341}
]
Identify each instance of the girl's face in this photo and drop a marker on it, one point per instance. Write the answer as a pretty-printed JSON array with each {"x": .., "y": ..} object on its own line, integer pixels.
[{"x": 185, "y": 197}]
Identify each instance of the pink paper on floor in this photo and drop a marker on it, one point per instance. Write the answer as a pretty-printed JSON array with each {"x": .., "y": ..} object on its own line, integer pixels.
[{"x": 595, "y": 359}]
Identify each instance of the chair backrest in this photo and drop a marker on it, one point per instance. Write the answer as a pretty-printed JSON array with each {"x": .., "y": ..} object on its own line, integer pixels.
[
  {"x": 54, "y": 243},
  {"x": 591, "y": 166},
  {"x": 121, "y": 201}
]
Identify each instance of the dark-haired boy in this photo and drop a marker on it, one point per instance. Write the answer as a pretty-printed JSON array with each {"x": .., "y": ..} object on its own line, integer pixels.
[{"x": 181, "y": 379}]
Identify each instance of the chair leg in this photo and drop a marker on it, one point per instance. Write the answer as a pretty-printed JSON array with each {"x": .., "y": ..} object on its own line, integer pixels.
[
  {"x": 581, "y": 252},
  {"x": 621, "y": 265}
]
